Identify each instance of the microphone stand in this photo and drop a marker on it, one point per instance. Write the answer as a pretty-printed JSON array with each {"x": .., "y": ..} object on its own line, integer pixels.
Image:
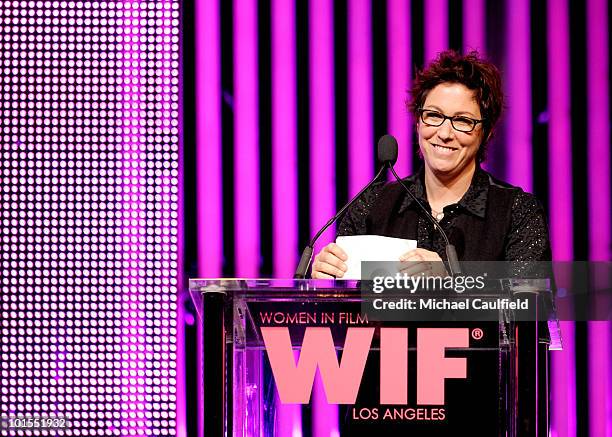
[
  {"x": 306, "y": 258},
  {"x": 451, "y": 253}
]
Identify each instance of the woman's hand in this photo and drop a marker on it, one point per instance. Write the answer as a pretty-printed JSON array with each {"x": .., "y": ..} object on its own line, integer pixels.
[
  {"x": 422, "y": 261},
  {"x": 329, "y": 263}
]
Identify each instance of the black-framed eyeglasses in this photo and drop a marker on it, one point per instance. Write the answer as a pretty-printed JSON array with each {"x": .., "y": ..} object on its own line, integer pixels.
[{"x": 460, "y": 123}]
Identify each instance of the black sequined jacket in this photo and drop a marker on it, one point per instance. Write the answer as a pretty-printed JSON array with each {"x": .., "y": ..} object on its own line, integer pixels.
[{"x": 494, "y": 221}]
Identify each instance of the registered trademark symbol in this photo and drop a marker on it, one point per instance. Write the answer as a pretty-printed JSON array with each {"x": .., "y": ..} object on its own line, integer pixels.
[{"x": 477, "y": 334}]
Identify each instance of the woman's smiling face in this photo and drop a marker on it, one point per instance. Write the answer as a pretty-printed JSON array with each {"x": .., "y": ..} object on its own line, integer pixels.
[{"x": 448, "y": 152}]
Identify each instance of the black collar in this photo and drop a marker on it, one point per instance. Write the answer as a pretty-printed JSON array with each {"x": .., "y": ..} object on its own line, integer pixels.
[{"x": 474, "y": 200}]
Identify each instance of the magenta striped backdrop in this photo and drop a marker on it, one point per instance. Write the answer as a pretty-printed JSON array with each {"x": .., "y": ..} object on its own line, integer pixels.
[
  {"x": 90, "y": 219},
  {"x": 290, "y": 98}
]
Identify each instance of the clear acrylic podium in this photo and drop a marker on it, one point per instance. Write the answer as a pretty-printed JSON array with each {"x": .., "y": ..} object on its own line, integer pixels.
[{"x": 505, "y": 391}]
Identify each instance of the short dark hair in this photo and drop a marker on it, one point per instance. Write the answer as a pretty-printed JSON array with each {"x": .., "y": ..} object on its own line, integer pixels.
[{"x": 470, "y": 70}]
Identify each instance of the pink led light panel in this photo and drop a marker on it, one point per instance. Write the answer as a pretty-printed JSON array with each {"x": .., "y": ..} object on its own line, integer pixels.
[{"x": 89, "y": 214}]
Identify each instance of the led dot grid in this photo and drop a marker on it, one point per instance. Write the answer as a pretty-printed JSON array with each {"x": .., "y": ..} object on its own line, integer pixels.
[{"x": 88, "y": 214}]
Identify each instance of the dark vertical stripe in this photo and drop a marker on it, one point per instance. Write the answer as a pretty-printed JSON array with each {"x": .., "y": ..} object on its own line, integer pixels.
[
  {"x": 265, "y": 136},
  {"x": 417, "y": 17},
  {"x": 379, "y": 71},
  {"x": 582, "y": 379},
  {"x": 495, "y": 23},
  {"x": 190, "y": 228},
  {"x": 307, "y": 420},
  {"x": 455, "y": 25},
  {"x": 190, "y": 249},
  {"x": 227, "y": 126},
  {"x": 418, "y": 40},
  {"x": 539, "y": 100},
  {"x": 579, "y": 108},
  {"x": 303, "y": 109},
  {"x": 341, "y": 80},
  {"x": 579, "y": 111},
  {"x": 496, "y": 31}
]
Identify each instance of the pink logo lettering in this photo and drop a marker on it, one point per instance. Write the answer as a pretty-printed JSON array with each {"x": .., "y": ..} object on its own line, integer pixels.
[
  {"x": 341, "y": 382},
  {"x": 433, "y": 367},
  {"x": 394, "y": 366}
]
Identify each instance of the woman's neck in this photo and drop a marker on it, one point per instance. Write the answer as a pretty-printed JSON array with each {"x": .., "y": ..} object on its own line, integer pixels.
[{"x": 442, "y": 191}]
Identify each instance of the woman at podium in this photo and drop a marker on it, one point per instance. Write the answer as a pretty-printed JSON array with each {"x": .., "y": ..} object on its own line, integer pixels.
[{"x": 457, "y": 101}]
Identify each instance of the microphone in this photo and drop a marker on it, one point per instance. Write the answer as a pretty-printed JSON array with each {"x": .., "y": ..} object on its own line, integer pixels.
[
  {"x": 387, "y": 150},
  {"x": 388, "y": 142},
  {"x": 387, "y": 155}
]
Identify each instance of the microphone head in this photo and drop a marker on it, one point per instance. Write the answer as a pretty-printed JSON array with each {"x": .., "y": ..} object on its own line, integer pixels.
[{"x": 387, "y": 150}]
